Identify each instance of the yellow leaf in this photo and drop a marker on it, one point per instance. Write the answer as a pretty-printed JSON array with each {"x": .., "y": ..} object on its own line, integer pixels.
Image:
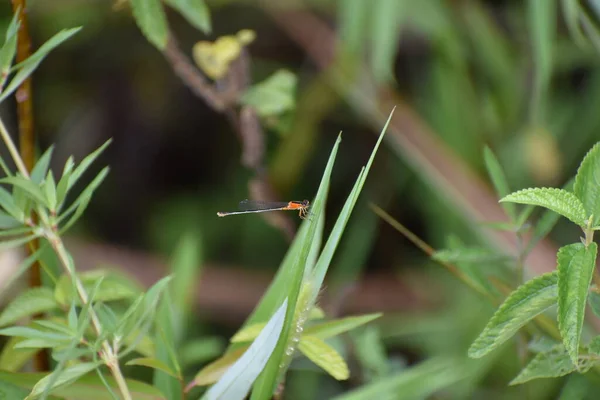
[
  {"x": 325, "y": 356},
  {"x": 249, "y": 333}
]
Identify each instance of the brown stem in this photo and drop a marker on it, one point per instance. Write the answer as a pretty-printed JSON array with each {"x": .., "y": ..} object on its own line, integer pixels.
[{"x": 27, "y": 144}]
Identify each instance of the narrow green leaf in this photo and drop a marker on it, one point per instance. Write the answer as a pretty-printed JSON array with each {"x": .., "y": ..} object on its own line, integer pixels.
[
  {"x": 336, "y": 327},
  {"x": 40, "y": 170},
  {"x": 63, "y": 184},
  {"x": 150, "y": 18},
  {"x": 114, "y": 286},
  {"x": 237, "y": 381},
  {"x": 85, "y": 164},
  {"x": 587, "y": 184},
  {"x": 31, "y": 189},
  {"x": 196, "y": 12},
  {"x": 166, "y": 340},
  {"x": 325, "y": 356},
  {"x": 468, "y": 255},
  {"x": 67, "y": 376},
  {"x": 9, "y": 244},
  {"x": 576, "y": 265},
  {"x": 31, "y": 333},
  {"x": 551, "y": 364},
  {"x": 27, "y": 303},
  {"x": 571, "y": 16},
  {"x": 417, "y": 382},
  {"x": 248, "y": 333},
  {"x": 12, "y": 359},
  {"x": 499, "y": 181},
  {"x": 8, "y": 204},
  {"x": 526, "y": 302},
  {"x": 50, "y": 191},
  {"x": 387, "y": 17},
  {"x": 152, "y": 362},
  {"x": 9, "y": 225},
  {"x": 185, "y": 269},
  {"x": 9, "y": 48},
  {"x": 81, "y": 203},
  {"x": 26, "y": 68},
  {"x": 558, "y": 200}
]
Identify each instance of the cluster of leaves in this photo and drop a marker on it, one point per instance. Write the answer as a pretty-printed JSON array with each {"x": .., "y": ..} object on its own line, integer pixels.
[{"x": 573, "y": 285}]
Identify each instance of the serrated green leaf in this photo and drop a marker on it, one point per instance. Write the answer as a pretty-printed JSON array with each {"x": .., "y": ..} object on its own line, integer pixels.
[
  {"x": 31, "y": 189},
  {"x": 9, "y": 48},
  {"x": 576, "y": 265},
  {"x": 273, "y": 96},
  {"x": 237, "y": 381},
  {"x": 27, "y": 303},
  {"x": 336, "y": 327},
  {"x": 68, "y": 375},
  {"x": 195, "y": 12},
  {"x": 558, "y": 200},
  {"x": 550, "y": 364},
  {"x": 325, "y": 356},
  {"x": 468, "y": 255},
  {"x": 522, "y": 305},
  {"x": 587, "y": 184},
  {"x": 26, "y": 68},
  {"x": 499, "y": 181},
  {"x": 150, "y": 18},
  {"x": 152, "y": 362},
  {"x": 40, "y": 170}
]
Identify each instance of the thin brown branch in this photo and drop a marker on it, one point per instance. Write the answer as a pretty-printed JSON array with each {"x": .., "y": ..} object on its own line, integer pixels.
[{"x": 27, "y": 145}]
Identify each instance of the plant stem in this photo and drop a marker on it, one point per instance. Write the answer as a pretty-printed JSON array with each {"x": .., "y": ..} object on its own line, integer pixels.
[{"x": 51, "y": 234}]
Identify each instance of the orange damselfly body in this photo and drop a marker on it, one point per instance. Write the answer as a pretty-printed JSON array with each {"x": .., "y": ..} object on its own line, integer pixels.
[{"x": 254, "y": 206}]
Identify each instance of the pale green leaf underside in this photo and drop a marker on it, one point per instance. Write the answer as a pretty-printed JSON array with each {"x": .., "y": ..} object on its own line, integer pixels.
[
  {"x": 551, "y": 364},
  {"x": 526, "y": 302},
  {"x": 587, "y": 184},
  {"x": 558, "y": 200},
  {"x": 575, "y": 268}
]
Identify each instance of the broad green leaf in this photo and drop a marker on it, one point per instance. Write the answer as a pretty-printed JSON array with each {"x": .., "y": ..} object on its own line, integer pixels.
[
  {"x": 152, "y": 362},
  {"x": 196, "y": 12},
  {"x": 274, "y": 95},
  {"x": 576, "y": 265},
  {"x": 213, "y": 371},
  {"x": 417, "y": 382},
  {"x": 26, "y": 68},
  {"x": 152, "y": 21},
  {"x": 587, "y": 184},
  {"x": 248, "y": 333},
  {"x": 237, "y": 381},
  {"x": 88, "y": 387},
  {"x": 67, "y": 376},
  {"x": 558, "y": 200},
  {"x": 496, "y": 173},
  {"x": 468, "y": 255},
  {"x": 27, "y": 303},
  {"x": 324, "y": 356},
  {"x": 9, "y": 48},
  {"x": 40, "y": 170},
  {"x": 31, "y": 189},
  {"x": 550, "y": 364},
  {"x": 526, "y": 302},
  {"x": 336, "y": 327}
]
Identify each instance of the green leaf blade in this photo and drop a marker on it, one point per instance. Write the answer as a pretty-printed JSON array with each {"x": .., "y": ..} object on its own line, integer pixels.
[
  {"x": 152, "y": 21},
  {"x": 28, "y": 303},
  {"x": 499, "y": 181},
  {"x": 325, "y": 356},
  {"x": 558, "y": 200},
  {"x": 526, "y": 302},
  {"x": 196, "y": 12},
  {"x": 576, "y": 265},
  {"x": 587, "y": 184}
]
